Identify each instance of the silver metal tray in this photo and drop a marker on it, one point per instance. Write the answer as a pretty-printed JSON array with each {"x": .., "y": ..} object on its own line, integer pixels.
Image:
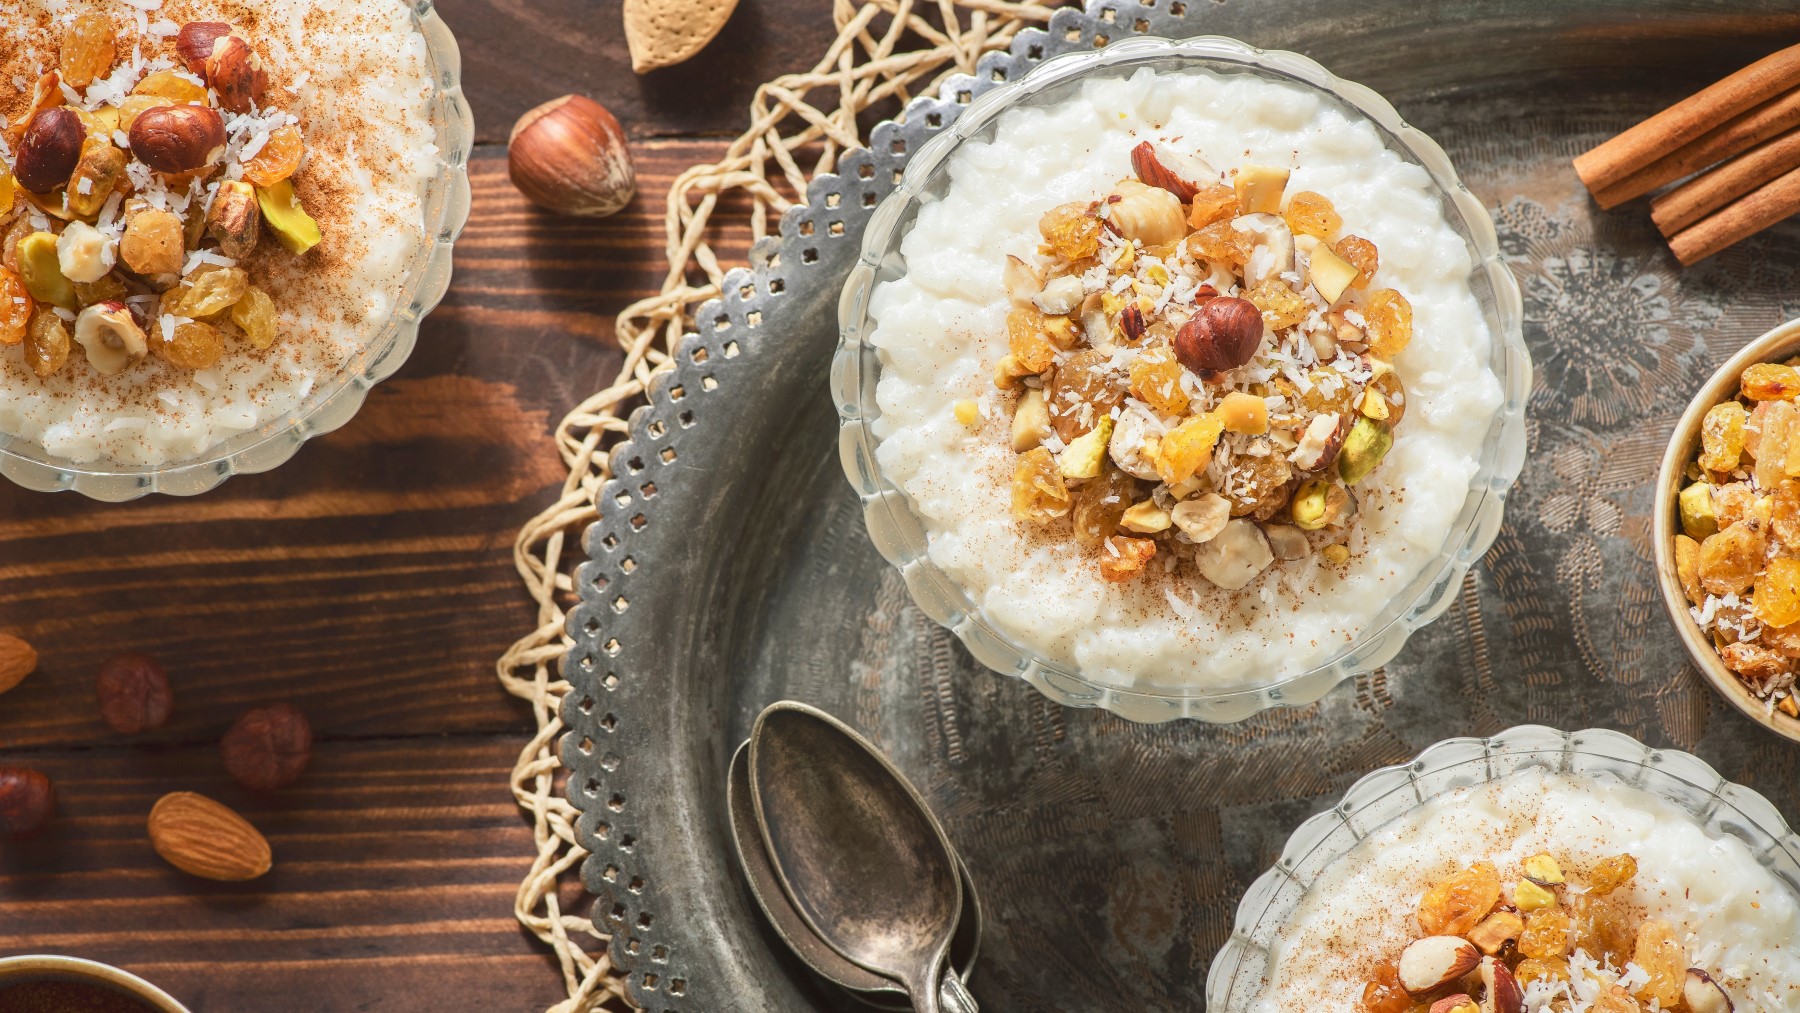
[{"x": 730, "y": 567}]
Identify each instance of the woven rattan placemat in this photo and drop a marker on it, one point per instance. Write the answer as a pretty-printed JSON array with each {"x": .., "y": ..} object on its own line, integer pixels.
[{"x": 799, "y": 124}]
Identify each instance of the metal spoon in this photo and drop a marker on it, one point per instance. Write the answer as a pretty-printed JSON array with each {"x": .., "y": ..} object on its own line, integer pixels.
[
  {"x": 863, "y": 860},
  {"x": 765, "y": 886}
]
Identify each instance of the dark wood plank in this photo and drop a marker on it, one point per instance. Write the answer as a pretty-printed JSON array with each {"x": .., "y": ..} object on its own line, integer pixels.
[
  {"x": 518, "y": 53},
  {"x": 395, "y": 868},
  {"x": 370, "y": 580}
]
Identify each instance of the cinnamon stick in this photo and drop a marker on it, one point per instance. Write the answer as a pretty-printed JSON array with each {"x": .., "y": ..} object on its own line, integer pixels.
[
  {"x": 1731, "y": 138},
  {"x": 1688, "y": 119},
  {"x": 1749, "y": 214},
  {"x": 1701, "y": 196}
]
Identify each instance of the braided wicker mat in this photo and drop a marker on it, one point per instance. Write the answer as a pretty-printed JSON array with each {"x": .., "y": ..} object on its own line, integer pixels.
[{"x": 886, "y": 51}]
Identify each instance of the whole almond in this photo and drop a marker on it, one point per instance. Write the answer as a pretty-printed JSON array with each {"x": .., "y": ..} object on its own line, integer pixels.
[
  {"x": 204, "y": 838},
  {"x": 18, "y": 659}
]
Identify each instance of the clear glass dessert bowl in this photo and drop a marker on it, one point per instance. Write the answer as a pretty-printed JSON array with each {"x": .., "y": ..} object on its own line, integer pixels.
[
  {"x": 900, "y": 532},
  {"x": 334, "y": 400},
  {"x": 1241, "y": 970}
]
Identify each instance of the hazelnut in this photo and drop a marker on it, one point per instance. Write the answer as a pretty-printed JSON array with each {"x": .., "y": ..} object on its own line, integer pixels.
[
  {"x": 1232, "y": 559},
  {"x": 176, "y": 139},
  {"x": 236, "y": 74},
  {"x": 133, "y": 689},
  {"x": 234, "y": 219},
  {"x": 570, "y": 156},
  {"x": 195, "y": 43},
  {"x": 84, "y": 254},
  {"x": 18, "y": 659},
  {"x": 49, "y": 150},
  {"x": 114, "y": 343},
  {"x": 1703, "y": 994},
  {"x": 27, "y": 800},
  {"x": 1222, "y": 334},
  {"x": 268, "y": 748}
]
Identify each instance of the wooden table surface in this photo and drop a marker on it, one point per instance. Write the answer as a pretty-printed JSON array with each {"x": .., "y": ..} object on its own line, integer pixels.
[{"x": 370, "y": 582}]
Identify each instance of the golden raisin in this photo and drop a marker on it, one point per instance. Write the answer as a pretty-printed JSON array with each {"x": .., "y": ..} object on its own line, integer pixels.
[
  {"x": 15, "y": 308},
  {"x": 168, "y": 84},
  {"x": 1257, "y": 483},
  {"x": 1771, "y": 381},
  {"x": 1082, "y": 390},
  {"x": 1732, "y": 502},
  {"x": 1123, "y": 558},
  {"x": 1281, "y": 306},
  {"x": 1360, "y": 254},
  {"x": 1784, "y": 512},
  {"x": 1071, "y": 231},
  {"x": 1540, "y": 969},
  {"x": 1188, "y": 448},
  {"x": 1459, "y": 903},
  {"x": 1611, "y": 874},
  {"x": 1754, "y": 661},
  {"x": 1384, "y": 993},
  {"x": 1729, "y": 561},
  {"x": 1156, "y": 381},
  {"x": 9, "y": 189},
  {"x": 1777, "y": 596},
  {"x": 209, "y": 294},
  {"x": 1722, "y": 436},
  {"x": 46, "y": 344},
  {"x": 1616, "y": 1000},
  {"x": 1038, "y": 493},
  {"x": 279, "y": 158},
  {"x": 1687, "y": 568},
  {"x": 255, "y": 316},
  {"x": 88, "y": 48},
  {"x": 1220, "y": 242},
  {"x": 1026, "y": 340},
  {"x": 193, "y": 345},
  {"x": 1330, "y": 392},
  {"x": 1658, "y": 953},
  {"x": 1390, "y": 319},
  {"x": 1100, "y": 503},
  {"x": 1212, "y": 202},
  {"x": 1312, "y": 214},
  {"x": 1387, "y": 386},
  {"x": 1546, "y": 935}
]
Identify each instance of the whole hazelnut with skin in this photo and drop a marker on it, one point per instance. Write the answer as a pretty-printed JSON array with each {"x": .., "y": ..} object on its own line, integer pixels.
[
  {"x": 268, "y": 748},
  {"x": 176, "y": 139},
  {"x": 27, "y": 801},
  {"x": 570, "y": 156},
  {"x": 134, "y": 693},
  {"x": 49, "y": 150},
  {"x": 195, "y": 43},
  {"x": 1222, "y": 334},
  {"x": 236, "y": 74}
]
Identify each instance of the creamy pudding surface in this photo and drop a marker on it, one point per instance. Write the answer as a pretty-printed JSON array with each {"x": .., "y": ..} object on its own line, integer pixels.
[
  {"x": 1730, "y": 917},
  {"x": 355, "y": 78},
  {"x": 942, "y": 327}
]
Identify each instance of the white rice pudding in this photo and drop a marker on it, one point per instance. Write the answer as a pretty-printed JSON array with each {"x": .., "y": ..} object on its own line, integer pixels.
[
  {"x": 358, "y": 77},
  {"x": 1732, "y": 917},
  {"x": 941, "y": 329}
]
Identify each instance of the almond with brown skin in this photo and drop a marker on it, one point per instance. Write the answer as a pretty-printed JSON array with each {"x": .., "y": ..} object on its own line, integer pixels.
[
  {"x": 1178, "y": 174},
  {"x": 1429, "y": 964},
  {"x": 18, "y": 659},
  {"x": 236, "y": 74},
  {"x": 203, "y": 838},
  {"x": 1503, "y": 994},
  {"x": 195, "y": 43}
]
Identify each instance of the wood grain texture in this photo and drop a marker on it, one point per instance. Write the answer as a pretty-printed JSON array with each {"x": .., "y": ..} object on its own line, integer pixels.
[{"x": 370, "y": 582}]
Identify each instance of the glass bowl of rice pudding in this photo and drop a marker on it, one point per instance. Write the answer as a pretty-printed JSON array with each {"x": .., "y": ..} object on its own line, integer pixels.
[
  {"x": 261, "y": 210},
  {"x": 1181, "y": 379},
  {"x": 1532, "y": 871}
]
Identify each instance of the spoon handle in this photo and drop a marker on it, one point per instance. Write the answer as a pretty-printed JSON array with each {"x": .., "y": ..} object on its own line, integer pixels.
[
  {"x": 955, "y": 997},
  {"x": 924, "y": 990}
]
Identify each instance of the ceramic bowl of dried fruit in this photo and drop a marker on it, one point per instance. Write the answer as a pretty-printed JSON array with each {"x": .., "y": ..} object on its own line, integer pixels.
[
  {"x": 1535, "y": 870},
  {"x": 1181, "y": 379},
  {"x": 1727, "y": 530},
  {"x": 219, "y": 230}
]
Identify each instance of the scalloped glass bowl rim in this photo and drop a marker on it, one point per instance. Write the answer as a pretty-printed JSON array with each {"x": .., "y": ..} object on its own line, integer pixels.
[
  {"x": 899, "y": 534},
  {"x": 1389, "y": 793},
  {"x": 334, "y": 403}
]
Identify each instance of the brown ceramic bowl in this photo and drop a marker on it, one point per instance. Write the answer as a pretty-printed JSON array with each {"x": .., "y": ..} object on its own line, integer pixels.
[
  {"x": 38, "y": 967},
  {"x": 1778, "y": 345}
]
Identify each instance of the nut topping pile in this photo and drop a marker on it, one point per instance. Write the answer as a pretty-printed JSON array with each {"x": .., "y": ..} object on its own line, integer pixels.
[
  {"x": 132, "y": 190},
  {"x": 1738, "y": 556},
  {"x": 1570, "y": 947},
  {"x": 1201, "y": 369}
]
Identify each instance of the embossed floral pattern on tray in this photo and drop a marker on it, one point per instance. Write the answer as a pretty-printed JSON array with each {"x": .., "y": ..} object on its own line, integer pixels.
[
  {"x": 333, "y": 402},
  {"x": 900, "y": 533},
  {"x": 1240, "y": 970}
]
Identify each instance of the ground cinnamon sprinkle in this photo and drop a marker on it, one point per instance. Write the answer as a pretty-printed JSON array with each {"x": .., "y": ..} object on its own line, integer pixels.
[{"x": 65, "y": 995}]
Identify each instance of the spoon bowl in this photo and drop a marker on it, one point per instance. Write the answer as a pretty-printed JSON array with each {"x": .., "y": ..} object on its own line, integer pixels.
[{"x": 864, "y": 862}]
